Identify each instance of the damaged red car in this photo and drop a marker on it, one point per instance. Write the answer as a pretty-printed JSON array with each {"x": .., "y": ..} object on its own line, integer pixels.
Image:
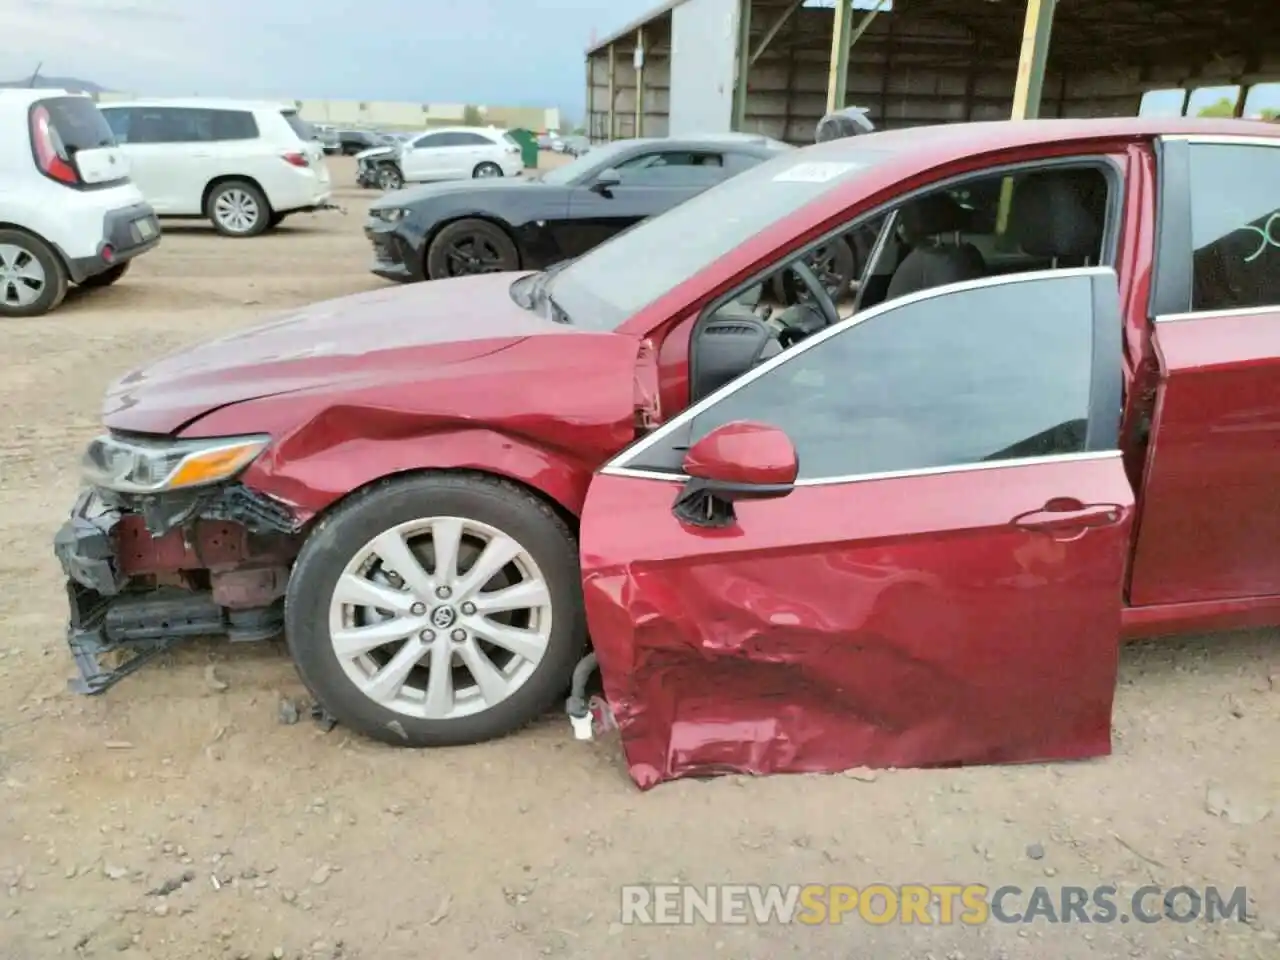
[{"x": 906, "y": 524}]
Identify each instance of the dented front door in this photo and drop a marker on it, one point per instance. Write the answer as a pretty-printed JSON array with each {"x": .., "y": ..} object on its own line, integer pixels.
[{"x": 891, "y": 610}]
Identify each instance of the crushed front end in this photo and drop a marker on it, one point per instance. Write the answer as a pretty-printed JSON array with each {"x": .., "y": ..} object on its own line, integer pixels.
[{"x": 164, "y": 544}]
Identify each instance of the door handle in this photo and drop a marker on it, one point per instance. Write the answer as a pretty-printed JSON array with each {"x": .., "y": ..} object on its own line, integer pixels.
[{"x": 1068, "y": 513}]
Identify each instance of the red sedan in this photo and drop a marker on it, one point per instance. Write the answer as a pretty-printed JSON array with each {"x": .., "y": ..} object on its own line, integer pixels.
[{"x": 905, "y": 525}]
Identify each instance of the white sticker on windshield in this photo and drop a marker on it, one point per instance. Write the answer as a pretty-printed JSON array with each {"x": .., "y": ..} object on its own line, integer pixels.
[{"x": 814, "y": 172}]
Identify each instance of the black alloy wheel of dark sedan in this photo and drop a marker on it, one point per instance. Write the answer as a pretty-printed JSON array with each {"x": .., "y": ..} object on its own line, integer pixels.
[{"x": 470, "y": 247}]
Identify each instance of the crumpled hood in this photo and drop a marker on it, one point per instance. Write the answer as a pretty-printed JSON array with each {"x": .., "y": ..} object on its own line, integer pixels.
[
  {"x": 366, "y": 338},
  {"x": 384, "y": 150}
]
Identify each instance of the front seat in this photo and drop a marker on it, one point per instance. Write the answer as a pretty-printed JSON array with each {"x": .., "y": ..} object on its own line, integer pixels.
[
  {"x": 1052, "y": 216},
  {"x": 932, "y": 262}
]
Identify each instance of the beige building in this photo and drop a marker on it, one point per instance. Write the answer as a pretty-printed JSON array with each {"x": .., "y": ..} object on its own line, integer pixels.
[{"x": 396, "y": 115}]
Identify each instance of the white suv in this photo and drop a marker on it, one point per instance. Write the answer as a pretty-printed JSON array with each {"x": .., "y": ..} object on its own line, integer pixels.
[
  {"x": 456, "y": 153},
  {"x": 68, "y": 210},
  {"x": 243, "y": 165}
]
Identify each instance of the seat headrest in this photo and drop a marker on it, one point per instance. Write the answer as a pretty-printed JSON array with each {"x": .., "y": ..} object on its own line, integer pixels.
[
  {"x": 1050, "y": 216},
  {"x": 930, "y": 215}
]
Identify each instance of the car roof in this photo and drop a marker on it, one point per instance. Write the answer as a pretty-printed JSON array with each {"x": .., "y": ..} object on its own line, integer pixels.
[
  {"x": 206, "y": 103},
  {"x": 929, "y": 146},
  {"x": 26, "y": 95},
  {"x": 710, "y": 142}
]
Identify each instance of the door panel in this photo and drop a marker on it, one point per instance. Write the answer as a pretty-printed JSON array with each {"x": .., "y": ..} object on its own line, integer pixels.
[
  {"x": 594, "y": 217},
  {"x": 907, "y": 621},
  {"x": 1210, "y": 525}
]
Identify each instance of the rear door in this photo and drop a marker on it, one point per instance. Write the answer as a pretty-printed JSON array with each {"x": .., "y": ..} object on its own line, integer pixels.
[
  {"x": 1209, "y": 524},
  {"x": 86, "y": 137},
  {"x": 169, "y": 158},
  {"x": 941, "y": 586},
  {"x": 427, "y": 157}
]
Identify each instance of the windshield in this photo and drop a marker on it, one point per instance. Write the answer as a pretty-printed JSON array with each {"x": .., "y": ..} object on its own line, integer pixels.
[
  {"x": 604, "y": 287},
  {"x": 597, "y": 158}
]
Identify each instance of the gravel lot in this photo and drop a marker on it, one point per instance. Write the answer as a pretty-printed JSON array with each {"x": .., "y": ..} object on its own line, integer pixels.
[{"x": 294, "y": 842}]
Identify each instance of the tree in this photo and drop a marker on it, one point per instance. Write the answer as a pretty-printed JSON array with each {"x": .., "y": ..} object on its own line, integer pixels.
[
  {"x": 471, "y": 116},
  {"x": 1222, "y": 108},
  {"x": 1270, "y": 114}
]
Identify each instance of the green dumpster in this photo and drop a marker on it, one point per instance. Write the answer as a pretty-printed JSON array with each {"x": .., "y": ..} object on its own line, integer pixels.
[{"x": 528, "y": 147}]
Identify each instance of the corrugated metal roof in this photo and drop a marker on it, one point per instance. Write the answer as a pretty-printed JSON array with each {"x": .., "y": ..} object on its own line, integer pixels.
[{"x": 635, "y": 25}]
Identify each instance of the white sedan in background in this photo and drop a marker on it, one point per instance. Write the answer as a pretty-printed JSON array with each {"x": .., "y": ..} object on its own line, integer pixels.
[{"x": 453, "y": 153}]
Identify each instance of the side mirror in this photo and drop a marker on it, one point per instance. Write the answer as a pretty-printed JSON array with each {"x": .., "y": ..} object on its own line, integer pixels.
[
  {"x": 742, "y": 460},
  {"x": 606, "y": 180}
]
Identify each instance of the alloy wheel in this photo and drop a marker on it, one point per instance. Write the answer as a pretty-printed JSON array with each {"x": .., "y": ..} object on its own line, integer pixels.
[
  {"x": 236, "y": 210},
  {"x": 440, "y": 618},
  {"x": 486, "y": 170},
  {"x": 22, "y": 277},
  {"x": 389, "y": 180},
  {"x": 471, "y": 254}
]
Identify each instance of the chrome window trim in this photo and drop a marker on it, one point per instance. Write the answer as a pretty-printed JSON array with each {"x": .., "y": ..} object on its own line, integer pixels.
[
  {"x": 1229, "y": 139},
  {"x": 620, "y": 461},
  {"x": 1217, "y": 314},
  {"x": 681, "y": 478}
]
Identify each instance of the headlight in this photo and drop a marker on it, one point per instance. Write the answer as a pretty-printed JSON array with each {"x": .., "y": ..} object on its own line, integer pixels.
[
  {"x": 143, "y": 466},
  {"x": 389, "y": 214}
]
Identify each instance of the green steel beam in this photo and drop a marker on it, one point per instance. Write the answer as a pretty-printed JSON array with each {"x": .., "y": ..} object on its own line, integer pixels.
[{"x": 744, "y": 64}]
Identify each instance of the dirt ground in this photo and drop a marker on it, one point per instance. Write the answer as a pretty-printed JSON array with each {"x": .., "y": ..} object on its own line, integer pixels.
[{"x": 284, "y": 840}]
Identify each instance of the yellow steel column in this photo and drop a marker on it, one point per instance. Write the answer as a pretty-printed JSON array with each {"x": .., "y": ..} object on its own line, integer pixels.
[
  {"x": 639, "y": 65},
  {"x": 838, "y": 76},
  {"x": 1036, "y": 31},
  {"x": 613, "y": 90}
]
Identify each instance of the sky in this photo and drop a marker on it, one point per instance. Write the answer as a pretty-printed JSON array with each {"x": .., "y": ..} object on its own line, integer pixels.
[
  {"x": 508, "y": 52},
  {"x": 502, "y": 52}
]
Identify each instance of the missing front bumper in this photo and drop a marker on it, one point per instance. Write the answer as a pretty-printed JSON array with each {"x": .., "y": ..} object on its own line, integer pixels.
[{"x": 216, "y": 566}]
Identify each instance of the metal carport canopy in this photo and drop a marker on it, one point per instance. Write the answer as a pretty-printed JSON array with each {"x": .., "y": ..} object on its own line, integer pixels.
[{"x": 1156, "y": 43}]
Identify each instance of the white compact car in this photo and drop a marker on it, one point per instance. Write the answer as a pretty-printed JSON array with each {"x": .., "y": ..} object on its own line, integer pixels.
[
  {"x": 243, "y": 165},
  {"x": 68, "y": 211},
  {"x": 457, "y": 153}
]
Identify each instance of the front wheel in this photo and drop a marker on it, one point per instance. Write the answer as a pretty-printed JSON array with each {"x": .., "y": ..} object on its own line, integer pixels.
[
  {"x": 438, "y": 610},
  {"x": 390, "y": 177},
  {"x": 468, "y": 247}
]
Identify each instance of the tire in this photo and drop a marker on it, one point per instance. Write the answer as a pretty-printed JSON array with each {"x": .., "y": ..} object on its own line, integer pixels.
[
  {"x": 107, "y": 277},
  {"x": 486, "y": 170},
  {"x": 241, "y": 197},
  {"x": 389, "y": 178},
  {"x": 841, "y": 269},
  {"x": 33, "y": 278},
  {"x": 469, "y": 247},
  {"x": 489, "y": 507}
]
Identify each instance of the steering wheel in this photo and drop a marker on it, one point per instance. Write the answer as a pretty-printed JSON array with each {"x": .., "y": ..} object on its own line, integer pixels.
[
  {"x": 812, "y": 314},
  {"x": 819, "y": 295}
]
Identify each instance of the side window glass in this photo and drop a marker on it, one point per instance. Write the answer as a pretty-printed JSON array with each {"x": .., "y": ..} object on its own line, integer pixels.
[
  {"x": 430, "y": 140},
  {"x": 991, "y": 373},
  {"x": 232, "y": 125},
  {"x": 118, "y": 121},
  {"x": 472, "y": 140},
  {"x": 1235, "y": 226}
]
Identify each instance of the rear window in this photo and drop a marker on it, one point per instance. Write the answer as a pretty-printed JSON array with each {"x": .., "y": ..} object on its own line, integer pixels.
[
  {"x": 300, "y": 126},
  {"x": 78, "y": 123}
]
